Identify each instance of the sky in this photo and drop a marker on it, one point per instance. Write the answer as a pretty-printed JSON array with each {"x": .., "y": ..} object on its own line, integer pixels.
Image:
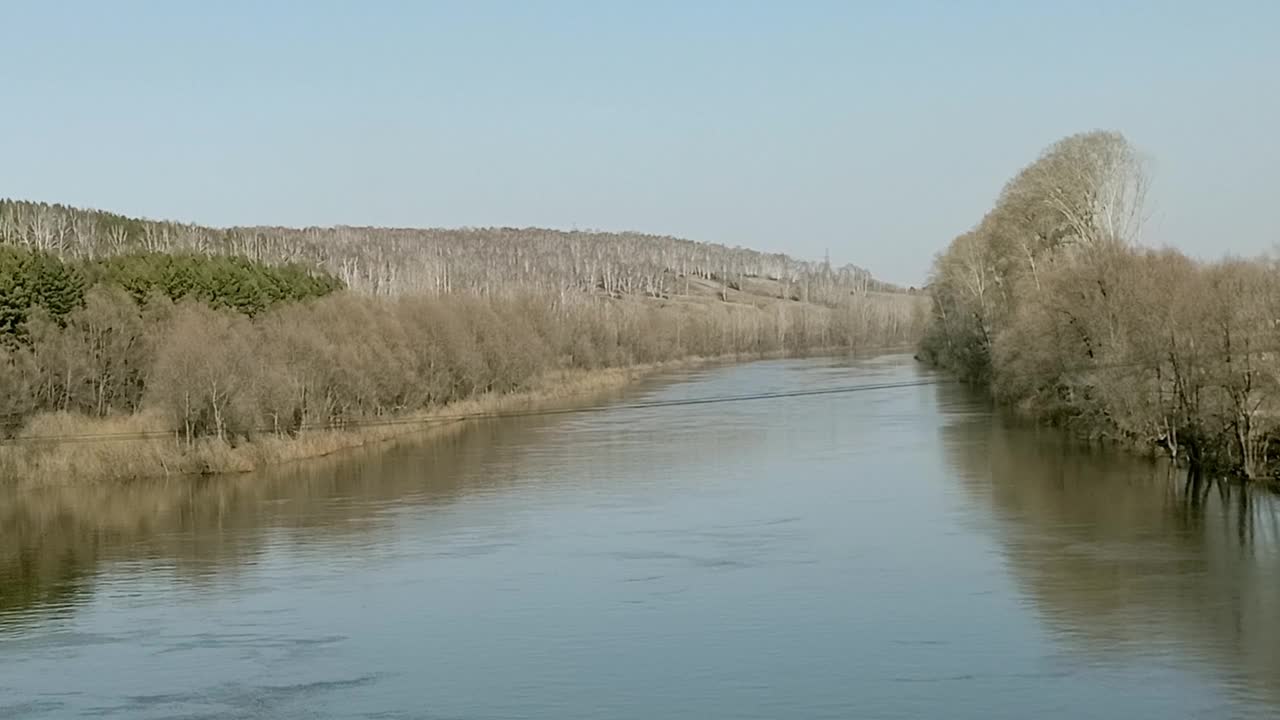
[{"x": 873, "y": 131}]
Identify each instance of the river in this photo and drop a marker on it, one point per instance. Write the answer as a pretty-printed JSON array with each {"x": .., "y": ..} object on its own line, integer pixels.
[{"x": 894, "y": 553}]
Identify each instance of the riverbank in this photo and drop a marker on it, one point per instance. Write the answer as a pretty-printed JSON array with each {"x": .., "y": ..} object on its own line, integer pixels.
[
  {"x": 61, "y": 448},
  {"x": 121, "y": 389},
  {"x": 557, "y": 527},
  {"x": 1067, "y": 316}
]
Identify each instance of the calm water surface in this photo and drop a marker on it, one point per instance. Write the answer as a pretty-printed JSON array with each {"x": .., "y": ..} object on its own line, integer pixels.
[{"x": 890, "y": 554}]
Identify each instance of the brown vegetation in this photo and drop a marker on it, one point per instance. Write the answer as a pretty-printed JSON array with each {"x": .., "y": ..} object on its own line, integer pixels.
[
  {"x": 1052, "y": 303},
  {"x": 128, "y": 384}
]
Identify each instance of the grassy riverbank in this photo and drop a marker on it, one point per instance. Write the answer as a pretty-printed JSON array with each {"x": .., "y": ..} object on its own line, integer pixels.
[
  {"x": 118, "y": 361},
  {"x": 32, "y": 461},
  {"x": 68, "y": 449},
  {"x": 120, "y": 390}
]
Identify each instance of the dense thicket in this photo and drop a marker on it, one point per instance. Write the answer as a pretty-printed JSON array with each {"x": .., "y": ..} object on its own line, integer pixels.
[
  {"x": 35, "y": 279},
  {"x": 1051, "y": 302},
  {"x": 30, "y": 279},
  {"x": 223, "y": 337},
  {"x": 327, "y": 362},
  {"x": 232, "y": 282},
  {"x": 394, "y": 261}
]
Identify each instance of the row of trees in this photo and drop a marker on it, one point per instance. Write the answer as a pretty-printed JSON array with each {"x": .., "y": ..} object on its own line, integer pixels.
[
  {"x": 391, "y": 261},
  {"x": 223, "y": 337},
  {"x": 1051, "y": 301},
  {"x": 244, "y": 285},
  {"x": 342, "y": 358},
  {"x": 35, "y": 279}
]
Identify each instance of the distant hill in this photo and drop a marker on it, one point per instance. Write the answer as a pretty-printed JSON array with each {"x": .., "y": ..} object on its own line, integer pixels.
[{"x": 394, "y": 261}]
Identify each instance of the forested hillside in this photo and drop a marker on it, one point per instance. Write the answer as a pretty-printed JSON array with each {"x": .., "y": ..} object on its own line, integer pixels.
[
  {"x": 195, "y": 350},
  {"x": 1054, "y": 302},
  {"x": 394, "y": 261}
]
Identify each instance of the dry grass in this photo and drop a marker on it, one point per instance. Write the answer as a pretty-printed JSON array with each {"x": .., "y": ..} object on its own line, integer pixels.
[{"x": 86, "y": 453}]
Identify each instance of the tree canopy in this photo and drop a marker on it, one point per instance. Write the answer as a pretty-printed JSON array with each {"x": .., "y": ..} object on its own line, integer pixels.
[
  {"x": 1052, "y": 302},
  {"x": 34, "y": 279}
]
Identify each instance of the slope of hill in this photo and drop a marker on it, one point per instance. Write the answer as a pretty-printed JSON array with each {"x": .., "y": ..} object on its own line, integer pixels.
[
  {"x": 200, "y": 350},
  {"x": 394, "y": 261}
]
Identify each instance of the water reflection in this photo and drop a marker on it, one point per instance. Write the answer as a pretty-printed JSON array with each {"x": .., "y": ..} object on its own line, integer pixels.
[
  {"x": 894, "y": 554},
  {"x": 54, "y": 541},
  {"x": 1123, "y": 558}
]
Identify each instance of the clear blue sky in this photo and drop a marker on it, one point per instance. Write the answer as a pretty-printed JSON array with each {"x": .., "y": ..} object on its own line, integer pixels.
[{"x": 878, "y": 130}]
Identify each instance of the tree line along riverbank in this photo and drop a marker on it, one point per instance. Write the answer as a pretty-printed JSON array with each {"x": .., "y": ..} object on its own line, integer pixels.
[
  {"x": 146, "y": 363},
  {"x": 1054, "y": 302}
]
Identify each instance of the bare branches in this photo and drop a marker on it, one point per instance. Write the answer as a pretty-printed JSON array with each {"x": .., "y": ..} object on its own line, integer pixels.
[
  {"x": 1052, "y": 301},
  {"x": 392, "y": 261}
]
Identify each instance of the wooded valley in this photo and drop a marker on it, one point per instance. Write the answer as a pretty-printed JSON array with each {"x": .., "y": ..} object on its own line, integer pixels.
[{"x": 168, "y": 340}]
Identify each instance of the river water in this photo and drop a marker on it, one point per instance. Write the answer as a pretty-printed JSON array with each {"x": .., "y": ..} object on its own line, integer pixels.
[{"x": 896, "y": 553}]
